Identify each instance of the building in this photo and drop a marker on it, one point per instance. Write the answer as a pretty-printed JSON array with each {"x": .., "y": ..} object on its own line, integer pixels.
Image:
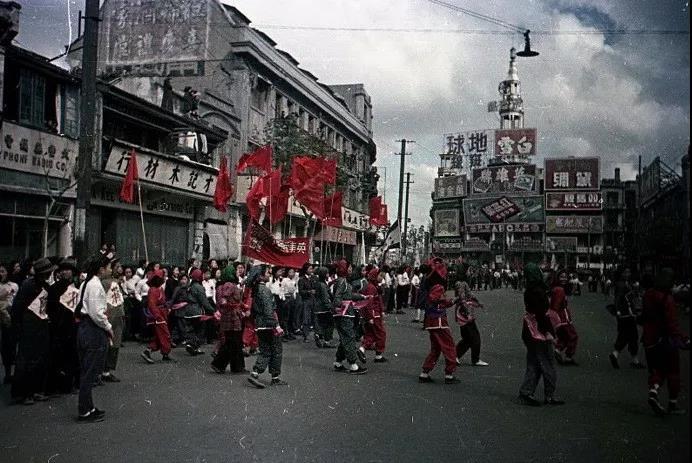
[
  {"x": 620, "y": 214},
  {"x": 40, "y": 142},
  {"x": 39, "y": 145},
  {"x": 663, "y": 227},
  {"x": 207, "y": 58}
]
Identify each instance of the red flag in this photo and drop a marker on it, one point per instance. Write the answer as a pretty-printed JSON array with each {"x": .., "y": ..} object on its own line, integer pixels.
[
  {"x": 254, "y": 196},
  {"x": 223, "y": 190},
  {"x": 308, "y": 183},
  {"x": 277, "y": 195},
  {"x": 332, "y": 209},
  {"x": 329, "y": 171},
  {"x": 127, "y": 190},
  {"x": 260, "y": 158},
  {"x": 378, "y": 211},
  {"x": 261, "y": 245}
]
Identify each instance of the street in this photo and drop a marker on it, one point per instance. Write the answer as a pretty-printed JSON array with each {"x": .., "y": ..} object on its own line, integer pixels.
[{"x": 186, "y": 413}]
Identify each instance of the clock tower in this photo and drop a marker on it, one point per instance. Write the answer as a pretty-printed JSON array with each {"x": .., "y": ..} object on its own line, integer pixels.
[{"x": 511, "y": 107}]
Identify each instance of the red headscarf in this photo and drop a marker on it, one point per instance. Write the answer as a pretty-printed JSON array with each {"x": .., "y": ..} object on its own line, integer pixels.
[
  {"x": 196, "y": 275},
  {"x": 372, "y": 275}
]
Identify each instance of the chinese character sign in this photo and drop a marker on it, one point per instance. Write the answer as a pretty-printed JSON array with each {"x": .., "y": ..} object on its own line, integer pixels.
[
  {"x": 470, "y": 149},
  {"x": 447, "y": 222},
  {"x": 573, "y": 224},
  {"x": 37, "y": 152},
  {"x": 573, "y": 200},
  {"x": 453, "y": 186},
  {"x": 515, "y": 142},
  {"x": 572, "y": 174},
  {"x": 504, "y": 179},
  {"x": 261, "y": 245},
  {"x": 161, "y": 170}
]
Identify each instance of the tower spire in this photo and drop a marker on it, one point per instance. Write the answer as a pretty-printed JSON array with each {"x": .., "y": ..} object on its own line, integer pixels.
[{"x": 511, "y": 108}]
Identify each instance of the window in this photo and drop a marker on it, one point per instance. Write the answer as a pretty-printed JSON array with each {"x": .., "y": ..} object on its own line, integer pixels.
[
  {"x": 32, "y": 97},
  {"x": 70, "y": 112},
  {"x": 259, "y": 94}
]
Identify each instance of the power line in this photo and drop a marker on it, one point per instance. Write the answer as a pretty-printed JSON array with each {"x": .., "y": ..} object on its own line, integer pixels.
[
  {"x": 473, "y": 31},
  {"x": 482, "y": 17}
]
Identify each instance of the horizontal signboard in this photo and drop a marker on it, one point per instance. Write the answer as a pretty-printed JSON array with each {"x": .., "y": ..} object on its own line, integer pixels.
[
  {"x": 501, "y": 227},
  {"x": 447, "y": 222},
  {"x": 530, "y": 210},
  {"x": 447, "y": 245},
  {"x": 453, "y": 186},
  {"x": 475, "y": 245},
  {"x": 571, "y": 224},
  {"x": 574, "y": 200},
  {"x": 561, "y": 244},
  {"x": 515, "y": 142},
  {"x": 37, "y": 152},
  {"x": 526, "y": 244},
  {"x": 504, "y": 179},
  {"x": 501, "y": 209},
  {"x": 572, "y": 174}
]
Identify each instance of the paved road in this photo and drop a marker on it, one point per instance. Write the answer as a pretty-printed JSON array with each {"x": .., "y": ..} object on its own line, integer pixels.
[{"x": 184, "y": 413}]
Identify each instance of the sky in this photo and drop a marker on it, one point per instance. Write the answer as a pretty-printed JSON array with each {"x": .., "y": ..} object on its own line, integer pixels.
[{"x": 589, "y": 93}]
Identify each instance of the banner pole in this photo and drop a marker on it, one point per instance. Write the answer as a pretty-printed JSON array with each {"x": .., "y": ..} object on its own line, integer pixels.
[{"x": 141, "y": 218}]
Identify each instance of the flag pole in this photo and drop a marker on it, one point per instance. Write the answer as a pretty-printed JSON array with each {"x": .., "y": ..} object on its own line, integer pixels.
[{"x": 141, "y": 218}]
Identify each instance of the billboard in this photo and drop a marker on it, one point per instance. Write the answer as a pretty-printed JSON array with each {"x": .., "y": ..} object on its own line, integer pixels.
[
  {"x": 453, "y": 186},
  {"x": 480, "y": 210},
  {"x": 502, "y": 227},
  {"x": 561, "y": 244},
  {"x": 447, "y": 222},
  {"x": 156, "y": 32},
  {"x": 515, "y": 142},
  {"x": 573, "y": 224},
  {"x": 574, "y": 201},
  {"x": 466, "y": 150},
  {"x": 572, "y": 174},
  {"x": 447, "y": 245},
  {"x": 504, "y": 179}
]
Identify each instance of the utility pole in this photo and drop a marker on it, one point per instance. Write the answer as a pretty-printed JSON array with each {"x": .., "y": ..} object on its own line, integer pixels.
[
  {"x": 403, "y": 155},
  {"x": 87, "y": 127},
  {"x": 405, "y": 235}
]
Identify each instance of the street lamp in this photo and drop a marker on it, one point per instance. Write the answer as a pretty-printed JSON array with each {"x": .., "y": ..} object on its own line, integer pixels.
[{"x": 527, "y": 52}]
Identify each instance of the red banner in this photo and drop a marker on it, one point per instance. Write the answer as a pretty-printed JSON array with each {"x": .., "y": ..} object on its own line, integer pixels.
[{"x": 261, "y": 245}]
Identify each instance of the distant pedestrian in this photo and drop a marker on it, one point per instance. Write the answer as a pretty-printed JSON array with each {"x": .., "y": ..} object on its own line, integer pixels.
[
  {"x": 375, "y": 336},
  {"x": 229, "y": 303},
  {"x": 627, "y": 309},
  {"x": 324, "y": 321},
  {"x": 465, "y": 306},
  {"x": 157, "y": 316},
  {"x": 344, "y": 318},
  {"x": 561, "y": 319}
]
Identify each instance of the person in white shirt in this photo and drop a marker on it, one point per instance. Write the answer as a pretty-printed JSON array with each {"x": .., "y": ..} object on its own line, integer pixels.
[
  {"x": 403, "y": 287},
  {"x": 93, "y": 335},
  {"x": 209, "y": 285},
  {"x": 289, "y": 286}
]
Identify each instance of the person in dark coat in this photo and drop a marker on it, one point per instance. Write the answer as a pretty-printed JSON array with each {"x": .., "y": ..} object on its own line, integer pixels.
[
  {"x": 31, "y": 328},
  {"x": 307, "y": 292},
  {"x": 197, "y": 305},
  {"x": 229, "y": 301},
  {"x": 344, "y": 318}
]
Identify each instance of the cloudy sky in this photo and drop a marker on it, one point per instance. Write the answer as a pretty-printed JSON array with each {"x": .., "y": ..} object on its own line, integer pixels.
[{"x": 590, "y": 92}]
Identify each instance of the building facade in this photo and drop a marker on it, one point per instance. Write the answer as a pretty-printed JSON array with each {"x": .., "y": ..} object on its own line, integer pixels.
[{"x": 203, "y": 58}]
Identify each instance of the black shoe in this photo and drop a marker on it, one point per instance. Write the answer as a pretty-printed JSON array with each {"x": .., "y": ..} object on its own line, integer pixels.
[
  {"x": 655, "y": 404},
  {"x": 217, "y": 370},
  {"x": 99, "y": 382},
  {"x": 28, "y": 401},
  {"x": 637, "y": 365},
  {"x": 452, "y": 380},
  {"x": 146, "y": 355},
  {"x": 425, "y": 379},
  {"x": 614, "y": 361},
  {"x": 529, "y": 400},
  {"x": 359, "y": 371},
  {"x": 380, "y": 360},
  {"x": 99, "y": 412},
  {"x": 361, "y": 356},
  {"x": 213, "y": 355},
  {"x": 553, "y": 401},
  {"x": 190, "y": 350},
  {"x": 673, "y": 409},
  {"x": 168, "y": 358},
  {"x": 340, "y": 368},
  {"x": 278, "y": 382},
  {"x": 91, "y": 417},
  {"x": 400, "y": 312},
  {"x": 415, "y": 321},
  {"x": 110, "y": 378},
  {"x": 40, "y": 397},
  {"x": 256, "y": 382}
]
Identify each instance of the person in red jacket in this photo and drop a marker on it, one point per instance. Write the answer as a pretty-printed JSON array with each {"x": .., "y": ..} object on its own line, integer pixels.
[
  {"x": 157, "y": 314},
  {"x": 662, "y": 339},
  {"x": 441, "y": 340},
  {"x": 233, "y": 311},
  {"x": 561, "y": 319},
  {"x": 375, "y": 335}
]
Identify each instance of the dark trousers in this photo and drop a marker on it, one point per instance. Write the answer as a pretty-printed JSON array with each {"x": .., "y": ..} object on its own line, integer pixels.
[
  {"x": 307, "y": 322},
  {"x": 231, "y": 352},
  {"x": 7, "y": 349},
  {"x": 402, "y": 296},
  {"x": 470, "y": 339},
  {"x": 92, "y": 343},
  {"x": 270, "y": 353},
  {"x": 628, "y": 335},
  {"x": 293, "y": 310},
  {"x": 63, "y": 368},
  {"x": 347, "y": 340},
  {"x": 194, "y": 332},
  {"x": 540, "y": 361},
  {"x": 282, "y": 313},
  {"x": 33, "y": 350},
  {"x": 324, "y": 326}
]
